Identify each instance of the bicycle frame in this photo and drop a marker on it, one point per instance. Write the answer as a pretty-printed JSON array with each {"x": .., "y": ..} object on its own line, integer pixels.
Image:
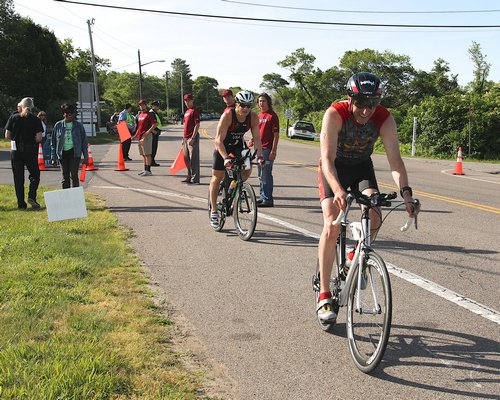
[
  {"x": 361, "y": 232},
  {"x": 234, "y": 173}
]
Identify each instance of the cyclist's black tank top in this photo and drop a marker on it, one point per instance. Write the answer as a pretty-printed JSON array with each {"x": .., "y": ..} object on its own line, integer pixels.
[{"x": 237, "y": 129}]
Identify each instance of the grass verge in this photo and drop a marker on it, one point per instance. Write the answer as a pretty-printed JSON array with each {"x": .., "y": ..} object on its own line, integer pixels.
[{"x": 77, "y": 319}]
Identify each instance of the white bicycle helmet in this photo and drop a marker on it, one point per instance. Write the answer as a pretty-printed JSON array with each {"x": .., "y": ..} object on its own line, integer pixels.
[{"x": 244, "y": 96}]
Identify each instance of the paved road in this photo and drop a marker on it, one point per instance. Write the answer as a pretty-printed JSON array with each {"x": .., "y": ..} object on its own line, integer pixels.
[{"x": 248, "y": 306}]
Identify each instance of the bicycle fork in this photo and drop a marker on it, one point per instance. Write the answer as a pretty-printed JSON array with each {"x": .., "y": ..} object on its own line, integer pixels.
[{"x": 365, "y": 282}]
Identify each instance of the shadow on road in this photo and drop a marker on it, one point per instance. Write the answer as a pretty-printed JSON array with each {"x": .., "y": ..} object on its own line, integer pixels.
[{"x": 426, "y": 347}]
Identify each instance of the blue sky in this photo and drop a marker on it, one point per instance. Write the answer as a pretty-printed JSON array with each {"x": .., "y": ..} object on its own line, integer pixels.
[{"x": 238, "y": 53}]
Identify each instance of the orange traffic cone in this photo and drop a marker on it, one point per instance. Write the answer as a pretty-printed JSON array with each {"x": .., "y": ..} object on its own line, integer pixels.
[
  {"x": 41, "y": 161},
  {"x": 179, "y": 162},
  {"x": 91, "y": 166},
  {"x": 83, "y": 173},
  {"x": 458, "y": 164},
  {"x": 121, "y": 161}
]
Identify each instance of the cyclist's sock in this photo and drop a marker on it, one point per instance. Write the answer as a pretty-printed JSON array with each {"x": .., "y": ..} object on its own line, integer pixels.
[
  {"x": 325, "y": 295},
  {"x": 147, "y": 167}
]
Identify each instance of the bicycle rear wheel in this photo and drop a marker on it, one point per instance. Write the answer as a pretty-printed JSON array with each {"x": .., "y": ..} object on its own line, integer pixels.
[
  {"x": 221, "y": 207},
  {"x": 245, "y": 211},
  {"x": 369, "y": 325}
]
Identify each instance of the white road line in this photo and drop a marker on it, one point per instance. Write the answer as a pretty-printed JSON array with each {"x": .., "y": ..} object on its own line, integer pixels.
[
  {"x": 441, "y": 291},
  {"x": 447, "y": 172}
]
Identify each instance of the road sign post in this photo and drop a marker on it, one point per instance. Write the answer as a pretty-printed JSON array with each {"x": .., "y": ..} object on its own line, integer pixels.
[{"x": 289, "y": 116}]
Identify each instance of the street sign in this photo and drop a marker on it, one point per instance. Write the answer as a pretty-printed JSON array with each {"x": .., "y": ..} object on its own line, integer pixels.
[{"x": 289, "y": 113}]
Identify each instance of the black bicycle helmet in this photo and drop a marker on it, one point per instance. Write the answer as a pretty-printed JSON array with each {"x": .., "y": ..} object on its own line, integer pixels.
[{"x": 364, "y": 84}]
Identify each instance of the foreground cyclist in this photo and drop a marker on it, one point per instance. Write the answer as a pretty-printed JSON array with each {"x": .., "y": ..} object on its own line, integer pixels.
[
  {"x": 349, "y": 131},
  {"x": 233, "y": 125}
]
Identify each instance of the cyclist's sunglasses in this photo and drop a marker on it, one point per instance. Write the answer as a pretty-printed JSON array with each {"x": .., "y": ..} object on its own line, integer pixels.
[
  {"x": 367, "y": 102},
  {"x": 245, "y": 105}
]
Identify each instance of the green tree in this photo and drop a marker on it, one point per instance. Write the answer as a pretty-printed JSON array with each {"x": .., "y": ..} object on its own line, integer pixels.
[
  {"x": 206, "y": 94},
  {"x": 481, "y": 68},
  {"x": 275, "y": 83},
  {"x": 31, "y": 53},
  {"x": 79, "y": 68},
  {"x": 179, "y": 68},
  {"x": 435, "y": 83},
  {"x": 395, "y": 71},
  {"x": 300, "y": 64}
]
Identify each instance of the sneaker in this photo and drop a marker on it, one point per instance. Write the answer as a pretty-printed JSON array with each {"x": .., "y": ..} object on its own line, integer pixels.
[
  {"x": 141, "y": 173},
  {"x": 147, "y": 173},
  {"x": 214, "y": 219},
  {"x": 325, "y": 310},
  {"x": 34, "y": 204}
]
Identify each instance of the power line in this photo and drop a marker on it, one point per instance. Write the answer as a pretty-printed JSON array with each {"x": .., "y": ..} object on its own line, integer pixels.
[
  {"x": 225, "y": 17},
  {"x": 49, "y": 16},
  {"x": 361, "y": 11}
]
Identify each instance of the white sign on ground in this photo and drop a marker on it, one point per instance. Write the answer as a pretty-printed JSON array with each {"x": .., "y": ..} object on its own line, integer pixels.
[{"x": 65, "y": 204}]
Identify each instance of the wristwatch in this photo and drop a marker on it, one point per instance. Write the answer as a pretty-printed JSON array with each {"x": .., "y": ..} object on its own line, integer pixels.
[{"x": 406, "y": 189}]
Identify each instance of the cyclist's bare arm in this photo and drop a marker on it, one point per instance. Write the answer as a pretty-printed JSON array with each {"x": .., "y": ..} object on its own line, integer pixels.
[
  {"x": 332, "y": 123},
  {"x": 389, "y": 136},
  {"x": 222, "y": 127}
]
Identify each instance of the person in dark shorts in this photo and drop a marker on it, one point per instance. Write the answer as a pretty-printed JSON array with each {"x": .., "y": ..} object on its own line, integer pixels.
[
  {"x": 349, "y": 131},
  {"x": 233, "y": 125}
]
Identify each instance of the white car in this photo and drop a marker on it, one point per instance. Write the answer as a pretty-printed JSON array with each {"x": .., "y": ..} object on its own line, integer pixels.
[{"x": 302, "y": 129}]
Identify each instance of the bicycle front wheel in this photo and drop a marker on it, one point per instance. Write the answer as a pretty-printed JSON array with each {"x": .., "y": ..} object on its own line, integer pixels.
[
  {"x": 245, "y": 211},
  {"x": 220, "y": 206},
  {"x": 369, "y": 320}
]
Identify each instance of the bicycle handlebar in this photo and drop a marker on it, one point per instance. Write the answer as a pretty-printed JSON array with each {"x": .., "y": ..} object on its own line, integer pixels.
[
  {"x": 376, "y": 200},
  {"x": 240, "y": 160}
]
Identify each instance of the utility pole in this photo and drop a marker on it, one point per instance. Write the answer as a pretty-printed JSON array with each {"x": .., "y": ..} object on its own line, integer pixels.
[
  {"x": 140, "y": 74},
  {"x": 94, "y": 74},
  {"x": 182, "y": 95},
  {"x": 167, "y": 76}
]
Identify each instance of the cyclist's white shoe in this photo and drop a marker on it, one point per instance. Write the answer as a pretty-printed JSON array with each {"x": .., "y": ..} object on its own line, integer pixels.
[
  {"x": 325, "y": 310},
  {"x": 214, "y": 219}
]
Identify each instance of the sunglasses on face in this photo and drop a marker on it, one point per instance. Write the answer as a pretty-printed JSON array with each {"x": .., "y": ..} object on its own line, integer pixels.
[
  {"x": 245, "y": 105},
  {"x": 367, "y": 103}
]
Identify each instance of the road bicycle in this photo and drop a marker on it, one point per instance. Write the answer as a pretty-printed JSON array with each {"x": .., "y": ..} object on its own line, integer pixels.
[
  {"x": 236, "y": 197},
  {"x": 363, "y": 284}
]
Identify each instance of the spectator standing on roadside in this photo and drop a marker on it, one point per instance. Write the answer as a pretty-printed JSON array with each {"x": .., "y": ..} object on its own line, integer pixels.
[
  {"x": 24, "y": 130},
  {"x": 126, "y": 115},
  {"x": 269, "y": 136},
  {"x": 191, "y": 140},
  {"x": 155, "y": 106},
  {"x": 67, "y": 144},
  {"x": 146, "y": 123},
  {"x": 228, "y": 97}
]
